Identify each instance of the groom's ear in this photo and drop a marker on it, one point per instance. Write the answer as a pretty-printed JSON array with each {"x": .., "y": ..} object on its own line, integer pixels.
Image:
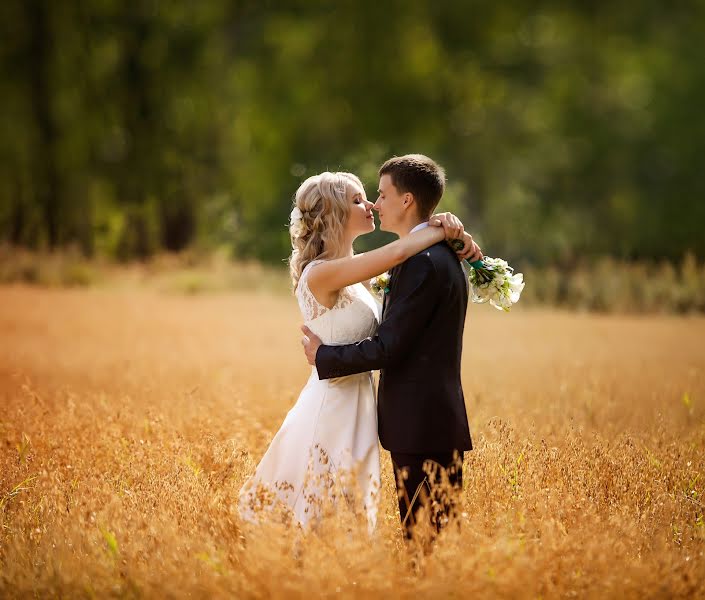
[{"x": 409, "y": 202}]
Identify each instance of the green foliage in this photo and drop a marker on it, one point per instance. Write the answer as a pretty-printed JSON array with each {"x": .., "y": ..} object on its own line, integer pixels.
[
  {"x": 59, "y": 269},
  {"x": 111, "y": 542},
  {"x": 568, "y": 131}
]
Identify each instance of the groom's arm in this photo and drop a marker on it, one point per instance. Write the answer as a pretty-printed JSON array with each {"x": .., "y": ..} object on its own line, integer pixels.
[{"x": 416, "y": 293}]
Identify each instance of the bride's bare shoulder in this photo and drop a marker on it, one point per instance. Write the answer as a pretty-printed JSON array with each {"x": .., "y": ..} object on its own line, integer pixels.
[{"x": 326, "y": 298}]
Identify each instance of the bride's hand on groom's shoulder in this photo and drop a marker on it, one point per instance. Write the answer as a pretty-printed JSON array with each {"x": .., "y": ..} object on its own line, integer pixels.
[
  {"x": 470, "y": 250},
  {"x": 452, "y": 225},
  {"x": 454, "y": 230}
]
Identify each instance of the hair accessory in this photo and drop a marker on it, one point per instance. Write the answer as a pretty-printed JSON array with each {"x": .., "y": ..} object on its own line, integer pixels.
[
  {"x": 296, "y": 215},
  {"x": 340, "y": 183}
]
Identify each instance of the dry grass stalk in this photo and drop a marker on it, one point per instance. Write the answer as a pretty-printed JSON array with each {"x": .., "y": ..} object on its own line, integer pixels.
[{"x": 130, "y": 420}]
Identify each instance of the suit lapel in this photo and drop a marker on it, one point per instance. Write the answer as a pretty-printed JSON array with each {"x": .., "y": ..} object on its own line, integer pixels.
[{"x": 392, "y": 275}]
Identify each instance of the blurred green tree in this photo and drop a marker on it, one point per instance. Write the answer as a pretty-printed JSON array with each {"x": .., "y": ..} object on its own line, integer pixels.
[{"x": 568, "y": 131}]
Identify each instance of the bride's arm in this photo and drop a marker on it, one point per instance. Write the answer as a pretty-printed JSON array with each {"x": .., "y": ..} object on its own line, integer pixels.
[{"x": 333, "y": 275}]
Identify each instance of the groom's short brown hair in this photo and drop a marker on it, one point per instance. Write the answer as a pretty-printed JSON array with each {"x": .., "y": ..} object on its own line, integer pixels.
[{"x": 420, "y": 176}]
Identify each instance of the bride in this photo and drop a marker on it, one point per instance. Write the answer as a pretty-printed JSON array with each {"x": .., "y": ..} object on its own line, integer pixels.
[{"x": 327, "y": 446}]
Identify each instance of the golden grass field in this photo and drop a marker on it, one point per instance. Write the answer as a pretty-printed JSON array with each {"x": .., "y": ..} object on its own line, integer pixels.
[{"x": 130, "y": 418}]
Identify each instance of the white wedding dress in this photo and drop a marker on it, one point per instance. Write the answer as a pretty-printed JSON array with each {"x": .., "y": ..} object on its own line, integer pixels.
[{"x": 329, "y": 437}]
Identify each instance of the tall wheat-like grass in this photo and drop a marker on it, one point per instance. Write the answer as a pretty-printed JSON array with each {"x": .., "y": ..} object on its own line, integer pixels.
[{"x": 130, "y": 419}]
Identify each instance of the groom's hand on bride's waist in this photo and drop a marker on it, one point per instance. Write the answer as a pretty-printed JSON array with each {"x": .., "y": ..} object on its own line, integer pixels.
[{"x": 311, "y": 342}]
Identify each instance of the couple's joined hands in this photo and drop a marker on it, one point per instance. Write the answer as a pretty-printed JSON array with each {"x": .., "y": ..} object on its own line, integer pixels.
[{"x": 454, "y": 230}]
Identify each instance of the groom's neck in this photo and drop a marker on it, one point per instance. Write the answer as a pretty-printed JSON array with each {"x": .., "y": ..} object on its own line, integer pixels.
[{"x": 407, "y": 226}]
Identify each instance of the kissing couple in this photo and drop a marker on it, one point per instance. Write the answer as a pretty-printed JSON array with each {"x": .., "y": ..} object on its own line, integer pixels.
[{"x": 329, "y": 439}]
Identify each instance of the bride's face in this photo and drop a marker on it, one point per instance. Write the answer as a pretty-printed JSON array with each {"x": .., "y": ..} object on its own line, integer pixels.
[{"x": 360, "y": 219}]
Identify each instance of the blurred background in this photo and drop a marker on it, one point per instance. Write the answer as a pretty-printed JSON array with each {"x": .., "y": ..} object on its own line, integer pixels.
[{"x": 572, "y": 133}]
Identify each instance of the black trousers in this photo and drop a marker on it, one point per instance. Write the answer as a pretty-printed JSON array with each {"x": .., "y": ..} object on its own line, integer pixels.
[{"x": 430, "y": 480}]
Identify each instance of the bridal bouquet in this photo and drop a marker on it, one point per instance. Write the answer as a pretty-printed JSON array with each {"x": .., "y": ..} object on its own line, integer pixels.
[{"x": 493, "y": 280}]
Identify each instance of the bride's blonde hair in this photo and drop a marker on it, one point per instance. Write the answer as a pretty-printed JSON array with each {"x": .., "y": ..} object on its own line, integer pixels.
[{"x": 317, "y": 228}]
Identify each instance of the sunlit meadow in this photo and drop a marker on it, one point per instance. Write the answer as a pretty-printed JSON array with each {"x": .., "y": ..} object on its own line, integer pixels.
[{"x": 130, "y": 417}]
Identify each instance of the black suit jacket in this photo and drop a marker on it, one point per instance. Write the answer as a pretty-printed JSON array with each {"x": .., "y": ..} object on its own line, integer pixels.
[{"x": 417, "y": 348}]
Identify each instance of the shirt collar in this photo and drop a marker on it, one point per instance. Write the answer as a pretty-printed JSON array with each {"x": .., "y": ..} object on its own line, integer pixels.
[{"x": 419, "y": 227}]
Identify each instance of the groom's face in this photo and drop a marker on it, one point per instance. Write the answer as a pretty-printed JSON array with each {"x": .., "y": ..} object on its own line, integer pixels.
[{"x": 390, "y": 205}]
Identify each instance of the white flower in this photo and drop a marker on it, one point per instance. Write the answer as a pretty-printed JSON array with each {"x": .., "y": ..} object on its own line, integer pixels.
[
  {"x": 516, "y": 285},
  {"x": 496, "y": 283},
  {"x": 296, "y": 215},
  {"x": 297, "y": 226}
]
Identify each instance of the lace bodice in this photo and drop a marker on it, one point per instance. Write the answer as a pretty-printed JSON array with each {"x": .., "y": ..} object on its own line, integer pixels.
[{"x": 354, "y": 316}]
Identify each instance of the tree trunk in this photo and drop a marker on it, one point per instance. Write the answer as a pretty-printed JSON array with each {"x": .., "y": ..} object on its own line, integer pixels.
[
  {"x": 46, "y": 175},
  {"x": 137, "y": 114}
]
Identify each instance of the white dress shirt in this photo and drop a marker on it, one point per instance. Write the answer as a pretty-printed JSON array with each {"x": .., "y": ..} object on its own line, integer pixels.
[{"x": 419, "y": 227}]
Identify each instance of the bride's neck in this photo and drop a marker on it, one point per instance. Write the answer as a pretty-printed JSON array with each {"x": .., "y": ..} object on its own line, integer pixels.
[{"x": 346, "y": 251}]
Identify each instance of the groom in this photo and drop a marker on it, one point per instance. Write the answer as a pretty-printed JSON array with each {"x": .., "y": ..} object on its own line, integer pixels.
[{"x": 421, "y": 409}]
